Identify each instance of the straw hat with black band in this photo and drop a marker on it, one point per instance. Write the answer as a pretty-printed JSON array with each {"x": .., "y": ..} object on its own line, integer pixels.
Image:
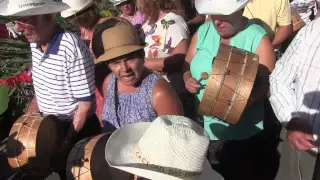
[
  {"x": 169, "y": 148},
  {"x": 31, "y": 7}
]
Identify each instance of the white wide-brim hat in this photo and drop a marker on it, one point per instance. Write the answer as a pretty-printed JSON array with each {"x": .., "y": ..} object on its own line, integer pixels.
[
  {"x": 219, "y": 7},
  {"x": 30, "y": 7},
  {"x": 129, "y": 149},
  {"x": 76, "y": 6}
]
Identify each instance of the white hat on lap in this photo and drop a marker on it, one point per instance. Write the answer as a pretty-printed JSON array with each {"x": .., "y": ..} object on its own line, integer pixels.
[
  {"x": 30, "y": 7},
  {"x": 169, "y": 148},
  {"x": 219, "y": 7}
]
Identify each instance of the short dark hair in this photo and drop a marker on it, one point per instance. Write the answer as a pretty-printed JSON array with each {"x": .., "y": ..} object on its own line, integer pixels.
[{"x": 86, "y": 19}]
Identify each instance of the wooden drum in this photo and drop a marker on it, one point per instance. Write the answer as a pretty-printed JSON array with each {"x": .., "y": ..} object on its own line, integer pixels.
[
  {"x": 87, "y": 161},
  {"x": 32, "y": 142},
  {"x": 297, "y": 22},
  {"x": 230, "y": 83}
]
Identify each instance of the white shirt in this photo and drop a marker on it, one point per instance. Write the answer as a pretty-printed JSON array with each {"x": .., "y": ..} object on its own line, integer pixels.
[{"x": 295, "y": 81}]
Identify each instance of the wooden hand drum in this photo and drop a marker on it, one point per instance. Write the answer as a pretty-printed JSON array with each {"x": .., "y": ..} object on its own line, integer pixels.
[
  {"x": 87, "y": 161},
  {"x": 32, "y": 142},
  {"x": 297, "y": 22},
  {"x": 230, "y": 83}
]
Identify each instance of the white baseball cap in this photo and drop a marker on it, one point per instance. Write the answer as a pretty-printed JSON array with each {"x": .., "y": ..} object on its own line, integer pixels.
[
  {"x": 117, "y": 2},
  {"x": 75, "y": 7},
  {"x": 30, "y": 7},
  {"x": 170, "y": 148},
  {"x": 219, "y": 7}
]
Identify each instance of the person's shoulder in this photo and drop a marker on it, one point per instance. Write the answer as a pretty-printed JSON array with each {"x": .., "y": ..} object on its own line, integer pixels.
[
  {"x": 176, "y": 17},
  {"x": 71, "y": 37},
  {"x": 255, "y": 28}
]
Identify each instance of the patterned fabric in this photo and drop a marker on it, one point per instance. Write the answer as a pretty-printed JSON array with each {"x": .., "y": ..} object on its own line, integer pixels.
[
  {"x": 131, "y": 108},
  {"x": 165, "y": 35},
  {"x": 295, "y": 81},
  {"x": 207, "y": 46}
]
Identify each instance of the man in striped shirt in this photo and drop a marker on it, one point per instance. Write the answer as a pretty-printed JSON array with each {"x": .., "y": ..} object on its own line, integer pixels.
[
  {"x": 295, "y": 98},
  {"x": 63, "y": 70}
]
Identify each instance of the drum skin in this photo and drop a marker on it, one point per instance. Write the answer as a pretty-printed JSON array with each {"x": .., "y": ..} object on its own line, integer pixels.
[
  {"x": 32, "y": 142},
  {"x": 297, "y": 22},
  {"x": 86, "y": 161},
  {"x": 230, "y": 83}
]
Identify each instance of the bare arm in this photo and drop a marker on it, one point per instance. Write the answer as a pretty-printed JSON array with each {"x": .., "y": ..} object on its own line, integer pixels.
[
  {"x": 104, "y": 87},
  {"x": 157, "y": 64},
  {"x": 165, "y": 101},
  {"x": 33, "y": 107},
  {"x": 198, "y": 19},
  {"x": 191, "y": 84},
  {"x": 266, "y": 66},
  {"x": 283, "y": 32}
]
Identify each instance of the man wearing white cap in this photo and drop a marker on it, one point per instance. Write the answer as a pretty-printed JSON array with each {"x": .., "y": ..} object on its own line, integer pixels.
[
  {"x": 295, "y": 99},
  {"x": 169, "y": 148},
  {"x": 62, "y": 67},
  {"x": 244, "y": 149}
]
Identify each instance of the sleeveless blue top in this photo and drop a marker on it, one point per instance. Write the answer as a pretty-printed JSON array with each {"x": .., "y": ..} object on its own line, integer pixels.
[{"x": 131, "y": 108}]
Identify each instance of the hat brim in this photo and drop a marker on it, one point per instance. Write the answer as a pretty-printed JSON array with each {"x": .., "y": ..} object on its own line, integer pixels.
[
  {"x": 46, "y": 9},
  {"x": 119, "y": 149},
  {"x": 218, "y": 7},
  {"x": 117, "y": 52},
  {"x": 69, "y": 12}
]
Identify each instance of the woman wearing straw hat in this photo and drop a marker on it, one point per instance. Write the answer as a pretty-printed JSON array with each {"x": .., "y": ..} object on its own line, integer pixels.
[
  {"x": 85, "y": 15},
  {"x": 131, "y": 93},
  {"x": 129, "y": 11},
  {"x": 169, "y": 148},
  {"x": 240, "y": 150},
  {"x": 62, "y": 70}
]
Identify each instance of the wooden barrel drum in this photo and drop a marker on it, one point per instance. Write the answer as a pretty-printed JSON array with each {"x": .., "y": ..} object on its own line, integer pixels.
[
  {"x": 87, "y": 161},
  {"x": 297, "y": 22},
  {"x": 230, "y": 83},
  {"x": 32, "y": 142}
]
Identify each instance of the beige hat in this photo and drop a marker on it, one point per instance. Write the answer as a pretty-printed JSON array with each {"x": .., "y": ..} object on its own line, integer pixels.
[
  {"x": 30, "y": 7},
  {"x": 119, "y": 40},
  {"x": 75, "y": 7},
  {"x": 169, "y": 148}
]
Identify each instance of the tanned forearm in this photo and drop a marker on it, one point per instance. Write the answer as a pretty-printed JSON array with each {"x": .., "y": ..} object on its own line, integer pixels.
[
  {"x": 155, "y": 64},
  {"x": 283, "y": 32},
  {"x": 33, "y": 107},
  {"x": 79, "y": 119}
]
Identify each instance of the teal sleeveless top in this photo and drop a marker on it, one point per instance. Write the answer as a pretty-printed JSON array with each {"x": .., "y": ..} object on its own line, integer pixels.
[{"x": 251, "y": 121}]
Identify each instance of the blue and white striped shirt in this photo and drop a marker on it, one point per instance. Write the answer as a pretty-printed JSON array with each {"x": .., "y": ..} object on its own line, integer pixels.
[{"x": 63, "y": 75}]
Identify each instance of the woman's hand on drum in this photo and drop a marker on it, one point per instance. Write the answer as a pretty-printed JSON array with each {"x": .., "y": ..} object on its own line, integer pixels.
[{"x": 192, "y": 85}]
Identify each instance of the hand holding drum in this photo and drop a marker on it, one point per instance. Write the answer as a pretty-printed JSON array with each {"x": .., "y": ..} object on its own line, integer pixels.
[{"x": 193, "y": 86}]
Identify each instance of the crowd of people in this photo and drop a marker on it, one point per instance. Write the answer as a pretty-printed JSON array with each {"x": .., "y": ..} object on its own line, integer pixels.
[{"x": 137, "y": 76}]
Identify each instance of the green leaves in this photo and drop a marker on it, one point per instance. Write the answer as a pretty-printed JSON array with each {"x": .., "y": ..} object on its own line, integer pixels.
[{"x": 4, "y": 98}]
